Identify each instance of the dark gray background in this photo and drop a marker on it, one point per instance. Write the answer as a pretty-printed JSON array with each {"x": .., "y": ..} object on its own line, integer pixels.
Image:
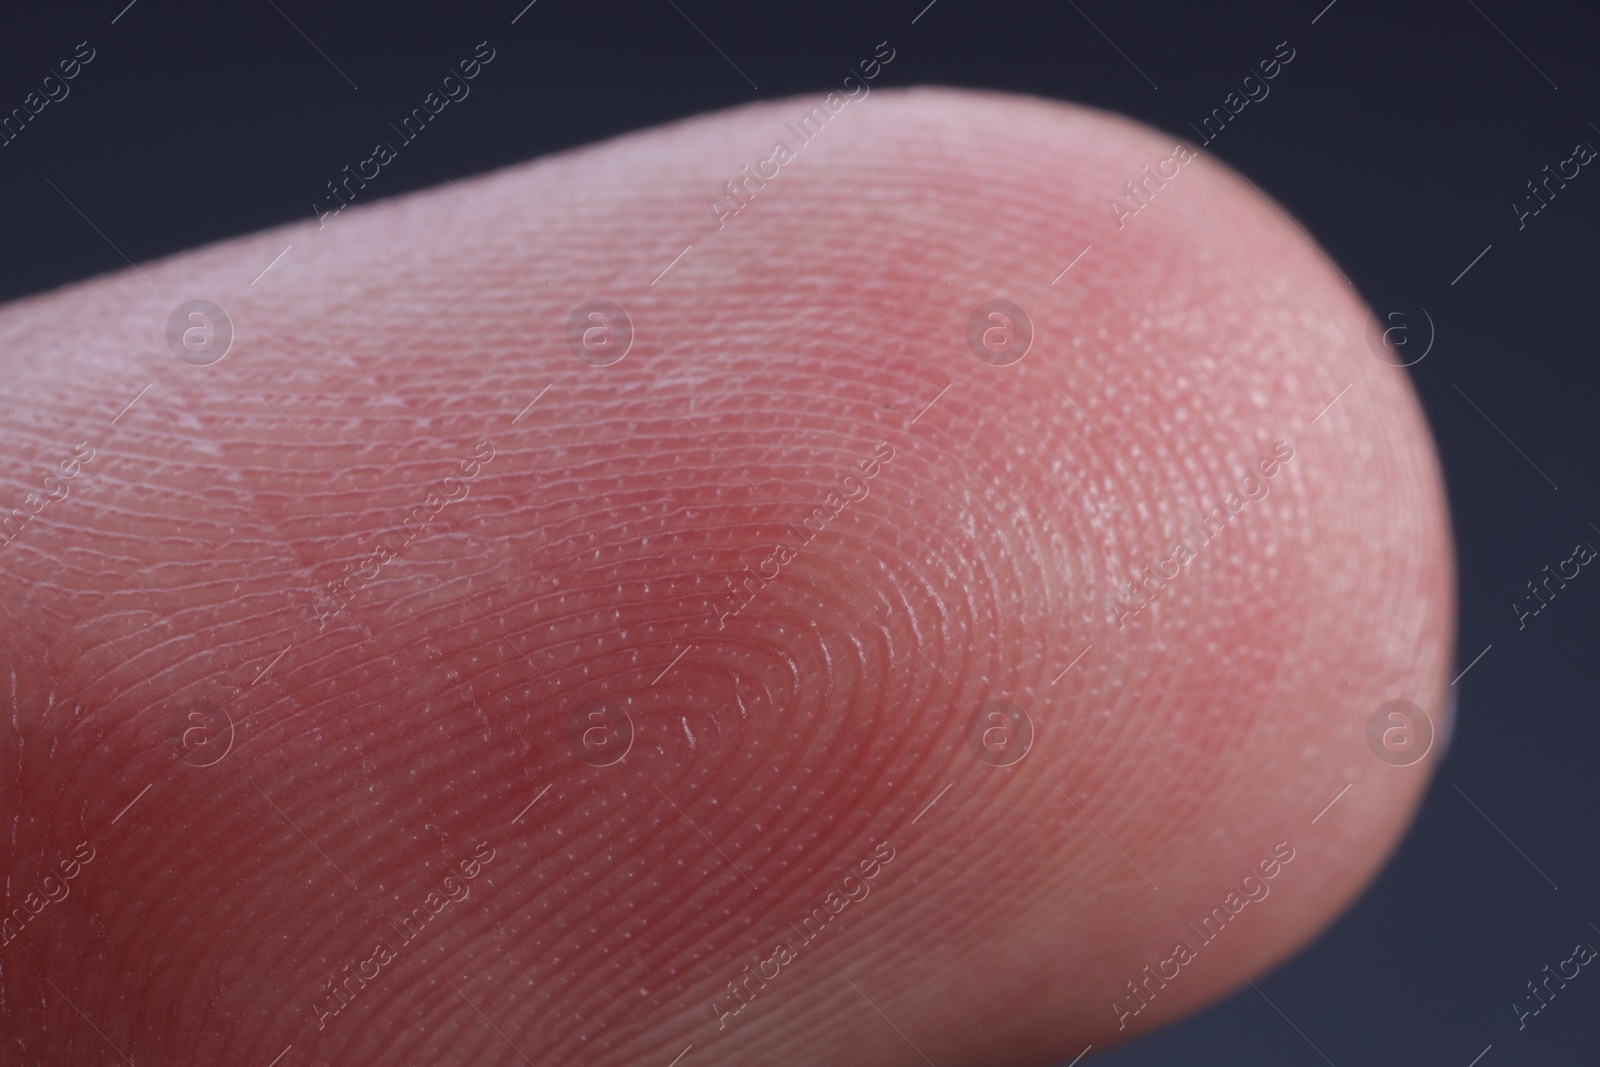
[{"x": 1399, "y": 138}]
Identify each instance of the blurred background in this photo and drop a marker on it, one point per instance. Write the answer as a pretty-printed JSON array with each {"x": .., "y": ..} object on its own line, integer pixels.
[{"x": 1412, "y": 144}]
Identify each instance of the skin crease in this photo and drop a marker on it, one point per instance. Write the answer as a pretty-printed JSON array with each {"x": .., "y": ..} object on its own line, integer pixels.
[{"x": 773, "y": 754}]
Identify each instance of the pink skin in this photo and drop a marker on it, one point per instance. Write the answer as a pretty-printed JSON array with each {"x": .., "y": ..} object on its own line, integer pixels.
[{"x": 398, "y": 734}]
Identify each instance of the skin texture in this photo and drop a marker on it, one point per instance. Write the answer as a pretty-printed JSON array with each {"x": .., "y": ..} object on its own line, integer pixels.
[{"x": 373, "y": 749}]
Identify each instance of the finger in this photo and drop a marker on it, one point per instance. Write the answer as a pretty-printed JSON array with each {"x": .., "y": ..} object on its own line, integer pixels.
[{"x": 838, "y": 676}]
